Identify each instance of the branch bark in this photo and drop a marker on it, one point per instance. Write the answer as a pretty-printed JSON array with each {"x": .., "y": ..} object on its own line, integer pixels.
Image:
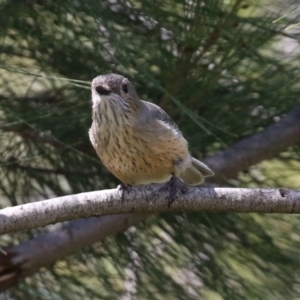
[
  {"x": 26, "y": 258},
  {"x": 147, "y": 199},
  {"x": 264, "y": 145}
]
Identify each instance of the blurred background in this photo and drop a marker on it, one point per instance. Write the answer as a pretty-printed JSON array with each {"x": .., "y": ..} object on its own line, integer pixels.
[{"x": 223, "y": 70}]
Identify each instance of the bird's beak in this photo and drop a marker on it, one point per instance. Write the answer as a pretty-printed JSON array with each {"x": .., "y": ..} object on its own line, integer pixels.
[{"x": 103, "y": 90}]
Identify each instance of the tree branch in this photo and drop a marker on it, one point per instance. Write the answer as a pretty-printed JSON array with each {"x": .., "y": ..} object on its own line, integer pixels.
[
  {"x": 264, "y": 145},
  {"x": 147, "y": 199},
  {"x": 26, "y": 258}
]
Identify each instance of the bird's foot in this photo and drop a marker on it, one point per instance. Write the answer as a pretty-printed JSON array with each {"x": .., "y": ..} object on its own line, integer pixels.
[
  {"x": 122, "y": 187},
  {"x": 173, "y": 185}
]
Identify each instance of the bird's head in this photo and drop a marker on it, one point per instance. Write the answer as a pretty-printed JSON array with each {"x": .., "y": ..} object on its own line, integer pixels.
[{"x": 114, "y": 89}]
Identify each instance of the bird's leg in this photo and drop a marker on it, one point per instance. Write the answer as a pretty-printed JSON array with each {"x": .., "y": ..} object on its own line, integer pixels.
[
  {"x": 122, "y": 187},
  {"x": 173, "y": 189}
]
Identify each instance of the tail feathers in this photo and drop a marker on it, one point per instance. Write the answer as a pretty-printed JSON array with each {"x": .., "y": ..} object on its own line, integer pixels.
[
  {"x": 191, "y": 176},
  {"x": 194, "y": 175},
  {"x": 202, "y": 167}
]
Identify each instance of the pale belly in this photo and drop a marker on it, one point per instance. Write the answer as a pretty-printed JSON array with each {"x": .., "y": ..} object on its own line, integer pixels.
[
  {"x": 134, "y": 160},
  {"x": 137, "y": 165}
]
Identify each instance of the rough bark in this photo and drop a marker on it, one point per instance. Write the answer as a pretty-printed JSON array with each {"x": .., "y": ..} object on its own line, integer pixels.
[
  {"x": 147, "y": 199},
  {"x": 264, "y": 145},
  {"x": 26, "y": 258}
]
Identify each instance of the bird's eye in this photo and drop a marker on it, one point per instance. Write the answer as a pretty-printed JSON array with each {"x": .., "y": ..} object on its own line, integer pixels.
[{"x": 125, "y": 88}]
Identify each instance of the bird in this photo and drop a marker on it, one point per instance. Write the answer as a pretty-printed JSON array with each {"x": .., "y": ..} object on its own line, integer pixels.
[{"x": 137, "y": 141}]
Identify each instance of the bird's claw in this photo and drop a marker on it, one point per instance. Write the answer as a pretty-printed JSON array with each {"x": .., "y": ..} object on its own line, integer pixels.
[
  {"x": 122, "y": 187},
  {"x": 173, "y": 183}
]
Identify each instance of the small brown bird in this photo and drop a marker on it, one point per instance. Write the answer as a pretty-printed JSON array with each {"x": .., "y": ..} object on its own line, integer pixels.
[{"x": 136, "y": 140}]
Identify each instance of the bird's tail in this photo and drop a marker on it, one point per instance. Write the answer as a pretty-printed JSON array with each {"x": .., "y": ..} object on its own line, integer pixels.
[{"x": 195, "y": 174}]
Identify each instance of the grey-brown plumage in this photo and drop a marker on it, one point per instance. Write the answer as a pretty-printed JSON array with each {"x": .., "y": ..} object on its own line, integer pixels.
[{"x": 137, "y": 140}]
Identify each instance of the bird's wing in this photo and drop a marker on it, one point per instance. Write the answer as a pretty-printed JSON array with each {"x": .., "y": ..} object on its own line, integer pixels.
[{"x": 159, "y": 114}]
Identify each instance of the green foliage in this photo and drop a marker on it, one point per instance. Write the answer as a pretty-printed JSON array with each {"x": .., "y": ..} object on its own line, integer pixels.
[{"x": 219, "y": 68}]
